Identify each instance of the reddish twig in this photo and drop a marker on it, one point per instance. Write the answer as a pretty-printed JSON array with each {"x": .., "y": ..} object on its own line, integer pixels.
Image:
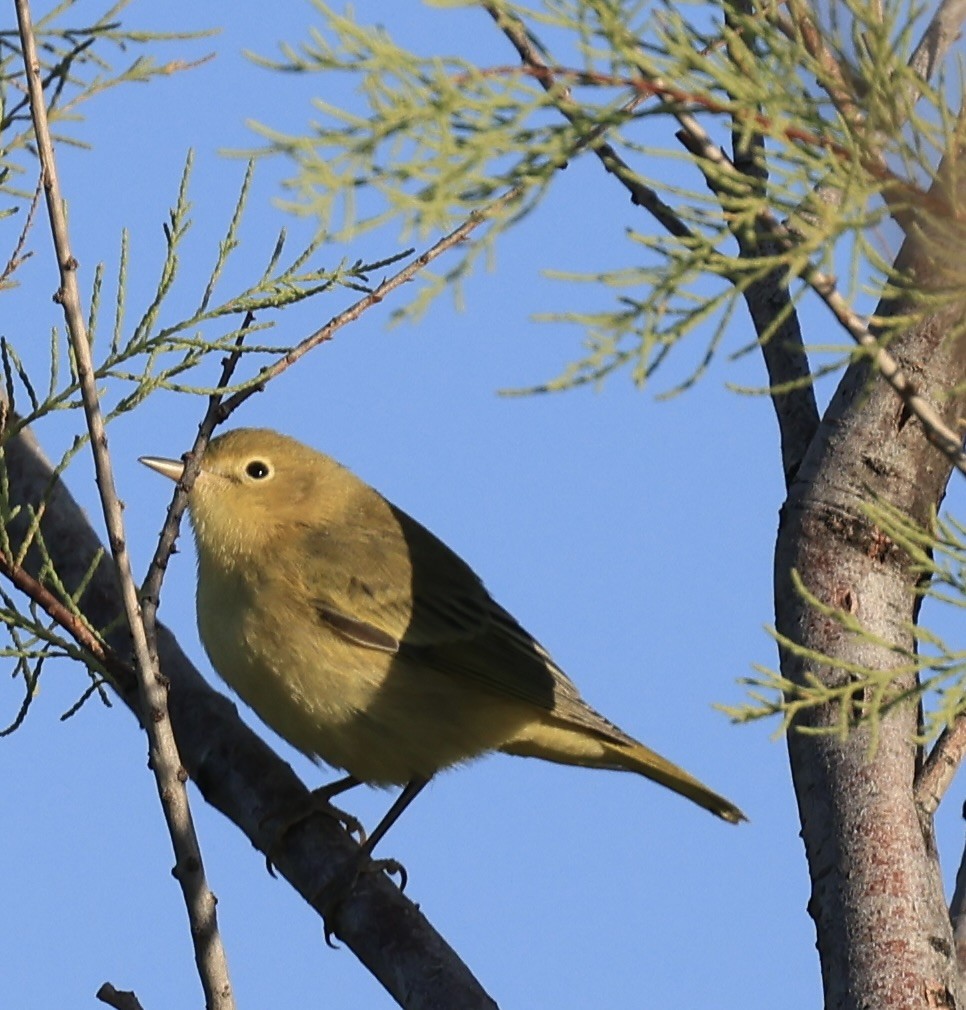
[{"x": 17, "y": 256}]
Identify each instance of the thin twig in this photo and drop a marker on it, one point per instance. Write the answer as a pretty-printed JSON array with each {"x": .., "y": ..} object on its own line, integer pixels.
[
  {"x": 62, "y": 615},
  {"x": 682, "y": 98},
  {"x": 373, "y": 298},
  {"x": 641, "y": 195},
  {"x": 17, "y": 256},
  {"x": 151, "y": 588},
  {"x": 164, "y": 759}
]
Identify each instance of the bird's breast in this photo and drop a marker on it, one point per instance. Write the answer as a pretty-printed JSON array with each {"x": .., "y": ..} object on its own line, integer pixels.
[
  {"x": 302, "y": 679},
  {"x": 385, "y": 718}
]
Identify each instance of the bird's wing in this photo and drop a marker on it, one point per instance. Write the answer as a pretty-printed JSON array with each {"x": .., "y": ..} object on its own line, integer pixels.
[
  {"x": 401, "y": 589},
  {"x": 398, "y": 580}
]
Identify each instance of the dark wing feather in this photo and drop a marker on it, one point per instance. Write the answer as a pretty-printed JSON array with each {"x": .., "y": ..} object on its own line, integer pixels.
[{"x": 379, "y": 582}]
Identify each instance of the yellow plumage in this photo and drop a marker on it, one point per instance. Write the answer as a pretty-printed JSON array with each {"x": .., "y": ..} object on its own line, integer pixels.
[{"x": 363, "y": 640}]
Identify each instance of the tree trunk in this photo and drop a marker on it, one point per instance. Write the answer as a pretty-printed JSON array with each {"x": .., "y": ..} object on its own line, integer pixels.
[{"x": 884, "y": 934}]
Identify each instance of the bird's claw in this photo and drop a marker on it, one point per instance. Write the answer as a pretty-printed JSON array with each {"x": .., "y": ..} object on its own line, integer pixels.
[
  {"x": 352, "y": 824},
  {"x": 317, "y": 803},
  {"x": 391, "y": 867},
  {"x": 330, "y": 897}
]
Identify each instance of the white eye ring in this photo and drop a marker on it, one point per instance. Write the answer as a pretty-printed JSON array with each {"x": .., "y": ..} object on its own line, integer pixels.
[{"x": 258, "y": 469}]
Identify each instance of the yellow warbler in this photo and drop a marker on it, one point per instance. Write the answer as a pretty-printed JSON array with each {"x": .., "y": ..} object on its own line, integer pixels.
[{"x": 363, "y": 640}]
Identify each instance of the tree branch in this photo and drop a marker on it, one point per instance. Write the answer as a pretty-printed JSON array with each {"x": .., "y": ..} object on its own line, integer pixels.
[
  {"x": 768, "y": 298},
  {"x": 939, "y": 36},
  {"x": 118, "y": 998},
  {"x": 937, "y": 430},
  {"x": 164, "y": 760},
  {"x": 940, "y": 766},
  {"x": 403, "y": 276},
  {"x": 641, "y": 195}
]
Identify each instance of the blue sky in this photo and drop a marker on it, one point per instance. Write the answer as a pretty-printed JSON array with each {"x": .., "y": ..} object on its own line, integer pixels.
[{"x": 632, "y": 537}]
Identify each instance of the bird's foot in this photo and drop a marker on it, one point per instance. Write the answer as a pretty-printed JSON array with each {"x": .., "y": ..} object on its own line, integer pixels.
[
  {"x": 319, "y": 802},
  {"x": 330, "y": 899}
]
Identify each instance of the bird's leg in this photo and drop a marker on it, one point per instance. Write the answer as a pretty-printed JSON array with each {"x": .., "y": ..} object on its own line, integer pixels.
[
  {"x": 319, "y": 802},
  {"x": 335, "y": 892},
  {"x": 409, "y": 793}
]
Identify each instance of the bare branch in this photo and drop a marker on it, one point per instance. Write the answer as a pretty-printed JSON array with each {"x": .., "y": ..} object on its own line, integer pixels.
[
  {"x": 641, "y": 195},
  {"x": 768, "y": 298},
  {"x": 120, "y": 999},
  {"x": 164, "y": 759},
  {"x": 941, "y": 766},
  {"x": 942, "y": 32},
  {"x": 801, "y": 27}
]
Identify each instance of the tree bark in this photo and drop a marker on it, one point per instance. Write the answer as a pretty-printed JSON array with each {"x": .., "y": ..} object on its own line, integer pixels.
[{"x": 884, "y": 933}]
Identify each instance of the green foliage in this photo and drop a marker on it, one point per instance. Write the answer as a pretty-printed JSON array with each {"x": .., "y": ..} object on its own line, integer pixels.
[
  {"x": 751, "y": 185},
  {"x": 434, "y": 138},
  {"x": 137, "y": 351}
]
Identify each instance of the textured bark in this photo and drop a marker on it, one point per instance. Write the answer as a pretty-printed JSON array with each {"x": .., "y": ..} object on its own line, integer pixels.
[{"x": 884, "y": 934}]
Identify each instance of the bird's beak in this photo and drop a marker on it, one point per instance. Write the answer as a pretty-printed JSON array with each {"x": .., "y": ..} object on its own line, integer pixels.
[{"x": 172, "y": 468}]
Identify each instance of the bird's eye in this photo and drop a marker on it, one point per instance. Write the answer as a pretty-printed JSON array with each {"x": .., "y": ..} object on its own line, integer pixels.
[{"x": 258, "y": 470}]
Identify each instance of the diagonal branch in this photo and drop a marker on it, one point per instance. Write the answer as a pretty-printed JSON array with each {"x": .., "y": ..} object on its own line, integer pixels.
[
  {"x": 641, "y": 195},
  {"x": 943, "y": 30},
  {"x": 944, "y": 438},
  {"x": 768, "y": 297},
  {"x": 80, "y": 631},
  {"x": 151, "y": 588},
  {"x": 940, "y": 766},
  {"x": 403, "y": 276}
]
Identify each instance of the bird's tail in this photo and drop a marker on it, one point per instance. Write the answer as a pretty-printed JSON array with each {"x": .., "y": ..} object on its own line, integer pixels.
[
  {"x": 595, "y": 743},
  {"x": 638, "y": 758}
]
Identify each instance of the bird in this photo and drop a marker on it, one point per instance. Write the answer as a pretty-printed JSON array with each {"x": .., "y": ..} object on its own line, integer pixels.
[{"x": 364, "y": 641}]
